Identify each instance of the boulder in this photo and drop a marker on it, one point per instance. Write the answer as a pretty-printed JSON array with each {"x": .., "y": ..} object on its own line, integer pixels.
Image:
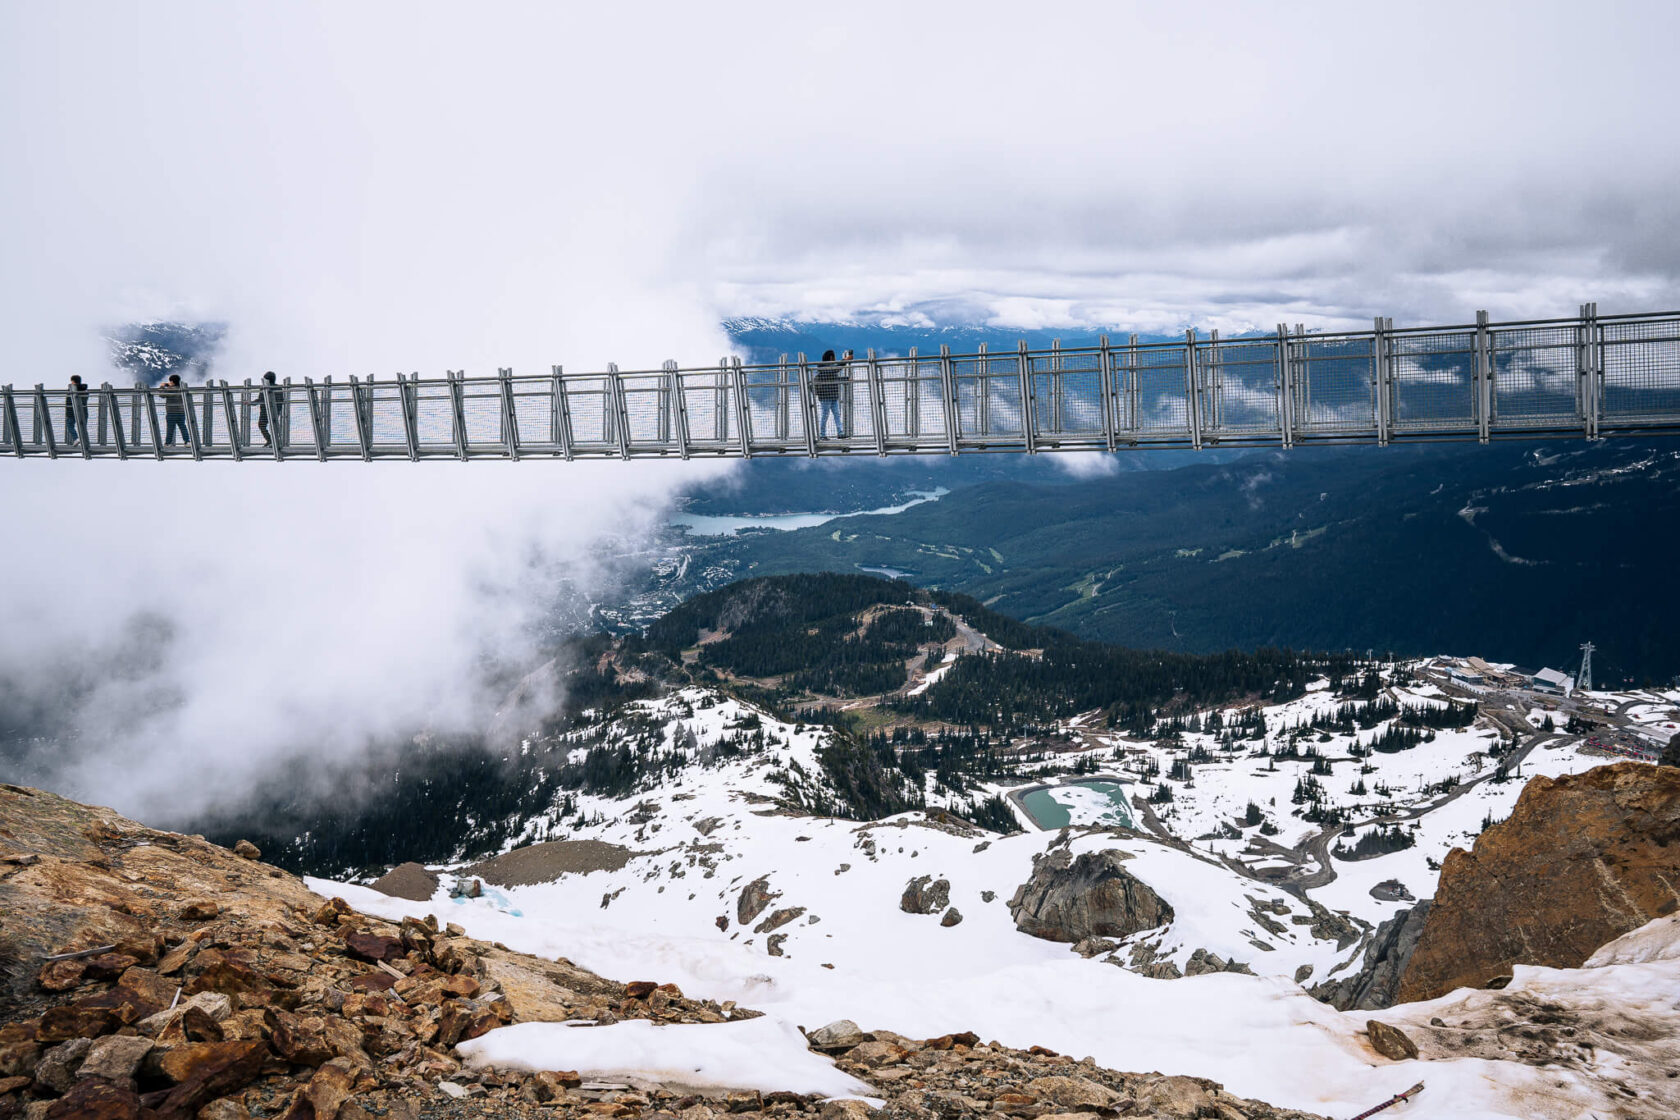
[
  {"x": 842, "y": 1034},
  {"x": 57, "y": 1068},
  {"x": 925, "y": 895},
  {"x": 1582, "y": 860},
  {"x": 1071, "y": 899},
  {"x": 779, "y": 918},
  {"x": 1390, "y": 1042},
  {"x": 247, "y": 850},
  {"x": 952, "y": 917},
  {"x": 1074, "y": 1093},
  {"x": 755, "y": 896},
  {"x": 1373, "y": 987},
  {"x": 407, "y": 880},
  {"x": 203, "y": 1071}
]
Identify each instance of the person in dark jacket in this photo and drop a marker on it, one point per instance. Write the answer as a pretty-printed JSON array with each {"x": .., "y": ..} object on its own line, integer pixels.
[
  {"x": 826, "y": 388},
  {"x": 174, "y": 409},
  {"x": 75, "y": 409},
  {"x": 265, "y": 391}
]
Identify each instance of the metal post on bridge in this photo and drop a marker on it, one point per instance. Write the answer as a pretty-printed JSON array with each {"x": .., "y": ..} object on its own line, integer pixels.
[
  {"x": 877, "y": 402},
  {"x": 743, "y": 415},
  {"x": 1029, "y": 411},
  {"x": 1589, "y": 370},
  {"x": 207, "y": 431},
  {"x": 913, "y": 399},
  {"x": 1213, "y": 383},
  {"x": 673, "y": 376},
  {"x": 146, "y": 393},
  {"x": 1056, "y": 418},
  {"x": 458, "y": 411},
  {"x": 1134, "y": 386},
  {"x": 948, "y": 393},
  {"x": 9, "y": 420},
  {"x": 807, "y": 407},
  {"x": 361, "y": 406},
  {"x": 510, "y": 415},
  {"x": 560, "y": 413},
  {"x": 408, "y": 403},
  {"x": 983, "y": 395},
  {"x": 232, "y": 426},
  {"x": 279, "y": 417},
  {"x": 1382, "y": 388},
  {"x": 1483, "y": 369},
  {"x": 1284, "y": 379},
  {"x": 621, "y": 410},
  {"x": 316, "y": 421},
  {"x": 108, "y": 397},
  {"x": 1192, "y": 390},
  {"x": 43, "y": 421},
  {"x": 1105, "y": 382}
]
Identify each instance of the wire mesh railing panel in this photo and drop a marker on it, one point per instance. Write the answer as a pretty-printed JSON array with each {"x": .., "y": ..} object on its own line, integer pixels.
[
  {"x": 988, "y": 399},
  {"x": 1068, "y": 390},
  {"x": 481, "y": 405},
  {"x": 1535, "y": 375},
  {"x": 647, "y": 408},
  {"x": 593, "y": 426},
  {"x": 535, "y": 417},
  {"x": 708, "y": 402},
  {"x": 339, "y": 408},
  {"x": 1160, "y": 392},
  {"x": 386, "y": 429},
  {"x": 1641, "y": 361},
  {"x": 1242, "y": 386},
  {"x": 434, "y": 415},
  {"x": 1338, "y": 385},
  {"x": 1434, "y": 380}
]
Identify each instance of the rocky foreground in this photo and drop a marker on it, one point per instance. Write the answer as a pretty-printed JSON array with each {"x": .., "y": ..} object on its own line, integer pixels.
[{"x": 145, "y": 974}]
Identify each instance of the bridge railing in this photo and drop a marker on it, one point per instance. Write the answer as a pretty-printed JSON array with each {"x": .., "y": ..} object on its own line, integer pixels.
[{"x": 1588, "y": 376}]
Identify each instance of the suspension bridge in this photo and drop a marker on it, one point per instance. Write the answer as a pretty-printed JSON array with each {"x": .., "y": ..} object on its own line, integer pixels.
[{"x": 1585, "y": 377}]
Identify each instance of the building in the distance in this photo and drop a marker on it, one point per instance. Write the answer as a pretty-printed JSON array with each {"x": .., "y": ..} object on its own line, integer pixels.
[{"x": 1550, "y": 680}]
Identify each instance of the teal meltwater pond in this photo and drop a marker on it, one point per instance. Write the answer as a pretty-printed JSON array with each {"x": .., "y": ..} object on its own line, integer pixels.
[{"x": 1098, "y": 801}]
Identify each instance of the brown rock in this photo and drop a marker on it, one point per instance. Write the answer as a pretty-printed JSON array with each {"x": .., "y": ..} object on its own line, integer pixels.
[
  {"x": 61, "y": 976},
  {"x": 330, "y": 1087},
  {"x": 228, "y": 1108},
  {"x": 200, "y": 910},
  {"x": 18, "y": 1059},
  {"x": 925, "y": 895},
  {"x": 108, "y": 966},
  {"x": 845, "y": 1110},
  {"x": 232, "y": 977},
  {"x": 96, "y": 1100},
  {"x": 465, "y": 1018},
  {"x": 13, "y": 1084},
  {"x": 373, "y": 947},
  {"x": 61, "y": 1024},
  {"x": 755, "y": 896},
  {"x": 407, "y": 880},
  {"x": 203, "y": 1071},
  {"x": 57, "y": 1068},
  {"x": 1074, "y": 1092},
  {"x": 640, "y": 989},
  {"x": 301, "y": 1040},
  {"x": 197, "y": 1025},
  {"x": 247, "y": 850},
  {"x": 331, "y": 911},
  {"x": 1582, "y": 860},
  {"x": 1390, "y": 1042}
]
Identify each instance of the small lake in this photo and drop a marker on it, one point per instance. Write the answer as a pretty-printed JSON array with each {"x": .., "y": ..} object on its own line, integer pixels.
[
  {"x": 1098, "y": 801},
  {"x": 708, "y": 525}
]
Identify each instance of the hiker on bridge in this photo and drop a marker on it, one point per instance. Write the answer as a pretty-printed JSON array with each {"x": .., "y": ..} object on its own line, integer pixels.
[
  {"x": 267, "y": 390},
  {"x": 830, "y": 373},
  {"x": 75, "y": 410},
  {"x": 174, "y": 409}
]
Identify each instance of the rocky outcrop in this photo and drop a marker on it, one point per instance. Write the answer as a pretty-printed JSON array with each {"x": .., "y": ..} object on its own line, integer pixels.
[
  {"x": 1374, "y": 986},
  {"x": 1582, "y": 860},
  {"x": 1071, "y": 899},
  {"x": 925, "y": 895},
  {"x": 755, "y": 896},
  {"x": 407, "y": 880},
  {"x": 194, "y": 982}
]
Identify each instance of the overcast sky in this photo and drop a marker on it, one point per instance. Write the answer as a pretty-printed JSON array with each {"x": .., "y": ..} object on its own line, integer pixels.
[{"x": 365, "y": 188}]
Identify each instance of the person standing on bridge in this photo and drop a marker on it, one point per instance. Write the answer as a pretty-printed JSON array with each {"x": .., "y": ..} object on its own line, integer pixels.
[
  {"x": 830, "y": 373},
  {"x": 75, "y": 410},
  {"x": 174, "y": 409},
  {"x": 268, "y": 390}
]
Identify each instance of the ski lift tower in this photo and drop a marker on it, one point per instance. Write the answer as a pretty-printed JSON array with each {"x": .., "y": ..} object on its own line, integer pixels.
[{"x": 1583, "y": 680}]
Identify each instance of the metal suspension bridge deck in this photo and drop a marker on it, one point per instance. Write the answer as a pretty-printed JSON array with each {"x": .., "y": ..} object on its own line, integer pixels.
[{"x": 1587, "y": 377}]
